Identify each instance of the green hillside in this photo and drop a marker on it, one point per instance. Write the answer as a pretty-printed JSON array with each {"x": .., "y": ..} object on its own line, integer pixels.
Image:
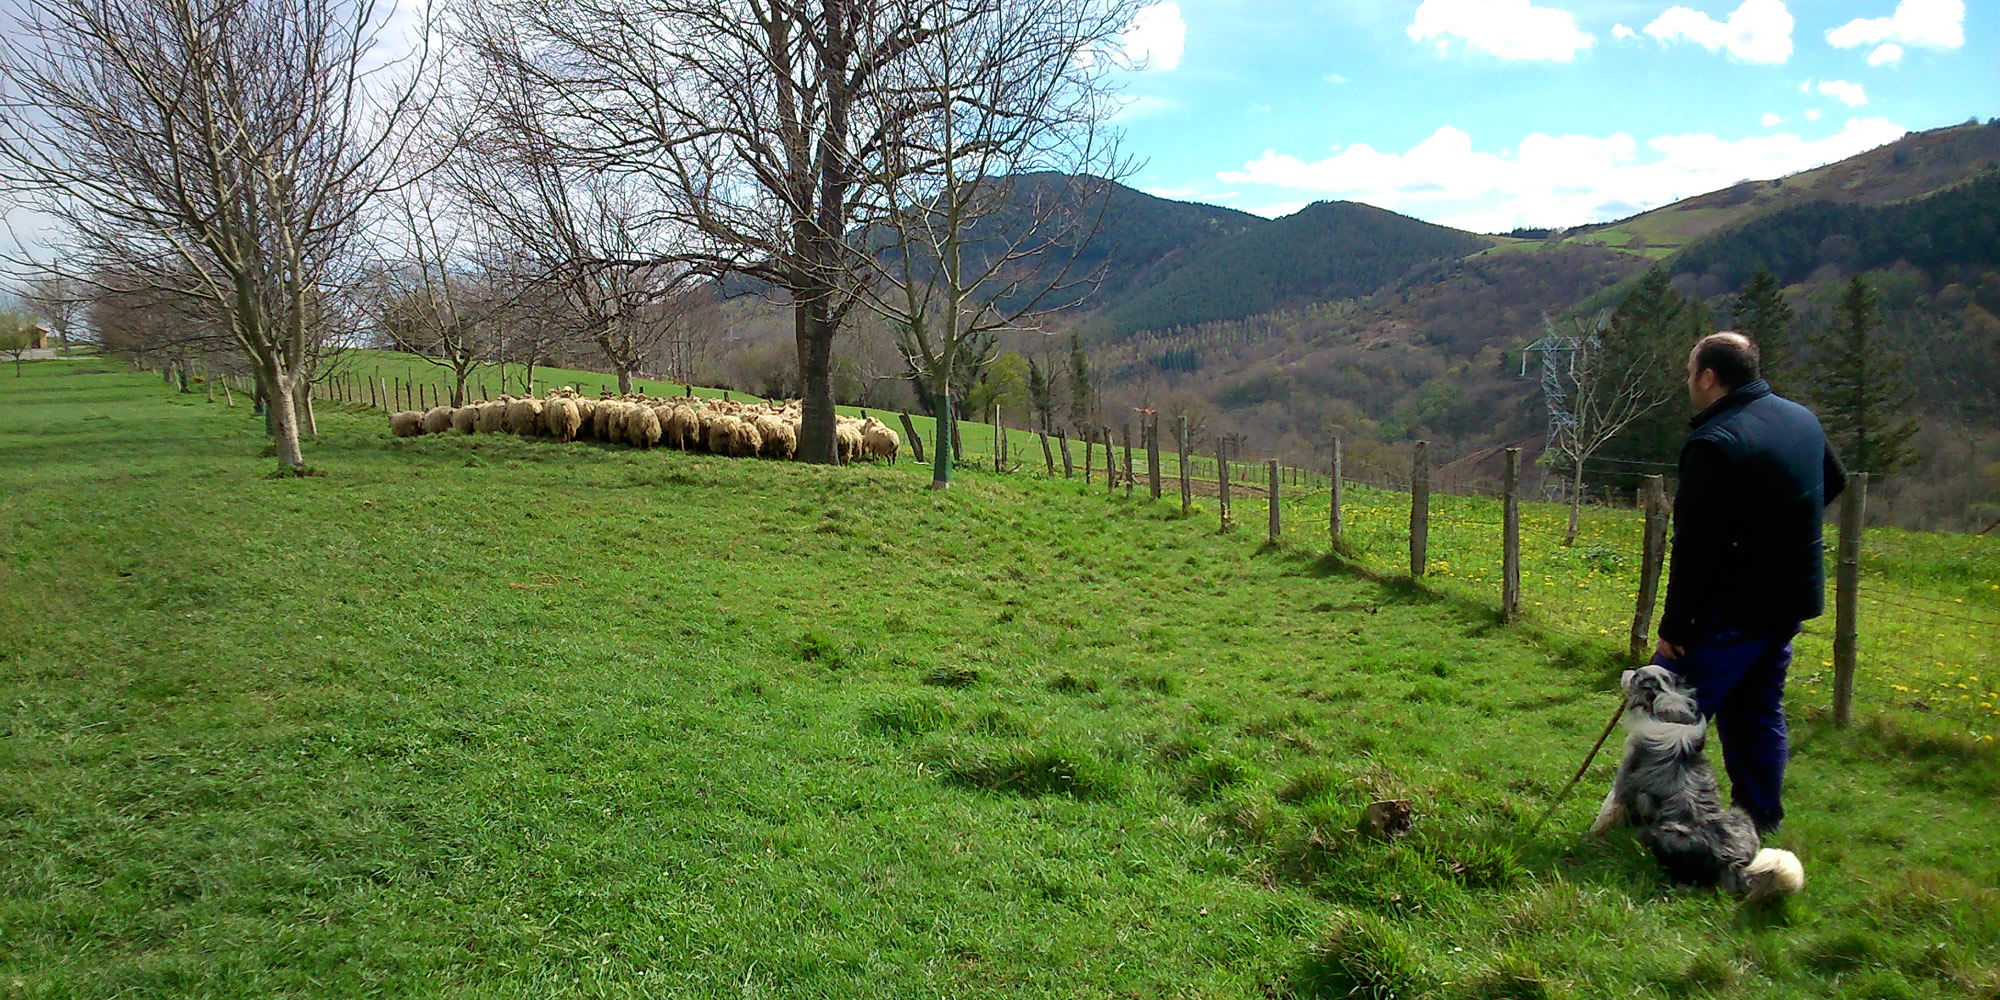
[
  {"x": 1324, "y": 252},
  {"x": 499, "y": 717},
  {"x": 1918, "y": 164}
]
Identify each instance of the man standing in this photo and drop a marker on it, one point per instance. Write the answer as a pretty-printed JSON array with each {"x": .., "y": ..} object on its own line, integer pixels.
[{"x": 1756, "y": 474}]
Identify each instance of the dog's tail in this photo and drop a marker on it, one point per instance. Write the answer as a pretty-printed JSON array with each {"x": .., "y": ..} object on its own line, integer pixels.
[{"x": 1772, "y": 873}]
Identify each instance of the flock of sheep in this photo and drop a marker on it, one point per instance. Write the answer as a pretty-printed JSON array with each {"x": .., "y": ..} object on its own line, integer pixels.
[{"x": 725, "y": 427}]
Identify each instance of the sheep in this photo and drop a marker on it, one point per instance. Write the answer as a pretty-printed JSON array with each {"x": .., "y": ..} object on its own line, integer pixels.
[
  {"x": 600, "y": 419},
  {"x": 847, "y": 438},
  {"x": 524, "y": 416},
  {"x": 704, "y": 437},
  {"x": 642, "y": 425},
  {"x": 734, "y": 437},
  {"x": 745, "y": 440},
  {"x": 437, "y": 420},
  {"x": 560, "y": 419},
  {"x": 492, "y": 417},
  {"x": 682, "y": 428},
  {"x": 780, "y": 440},
  {"x": 879, "y": 441},
  {"x": 721, "y": 434},
  {"x": 619, "y": 413},
  {"x": 406, "y": 423},
  {"x": 464, "y": 418}
]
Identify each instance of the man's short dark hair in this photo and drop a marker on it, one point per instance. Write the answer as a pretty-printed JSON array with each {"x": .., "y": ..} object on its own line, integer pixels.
[{"x": 1730, "y": 355}]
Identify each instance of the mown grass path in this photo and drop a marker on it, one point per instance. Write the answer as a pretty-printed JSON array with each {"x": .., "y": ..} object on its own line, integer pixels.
[{"x": 491, "y": 717}]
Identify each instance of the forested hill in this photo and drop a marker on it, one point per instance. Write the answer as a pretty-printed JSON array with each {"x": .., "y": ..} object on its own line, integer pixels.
[
  {"x": 1947, "y": 233},
  {"x": 1325, "y": 252}
]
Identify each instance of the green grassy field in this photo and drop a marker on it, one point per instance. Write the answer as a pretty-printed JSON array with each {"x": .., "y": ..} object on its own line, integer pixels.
[{"x": 494, "y": 717}]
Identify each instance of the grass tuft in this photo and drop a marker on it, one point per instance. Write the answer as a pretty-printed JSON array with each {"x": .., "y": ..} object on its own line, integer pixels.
[
  {"x": 1035, "y": 771},
  {"x": 1365, "y": 957}
]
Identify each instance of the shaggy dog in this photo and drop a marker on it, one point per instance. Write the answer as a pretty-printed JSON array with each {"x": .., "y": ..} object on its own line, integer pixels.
[{"x": 1666, "y": 789}]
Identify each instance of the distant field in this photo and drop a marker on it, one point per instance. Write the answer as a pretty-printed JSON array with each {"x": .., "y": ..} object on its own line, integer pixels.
[{"x": 498, "y": 717}]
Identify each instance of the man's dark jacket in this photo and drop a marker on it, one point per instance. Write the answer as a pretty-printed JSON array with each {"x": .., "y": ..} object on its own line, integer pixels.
[{"x": 1755, "y": 476}]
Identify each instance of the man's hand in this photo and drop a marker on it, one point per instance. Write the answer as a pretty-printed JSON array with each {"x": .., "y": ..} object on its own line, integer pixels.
[{"x": 1668, "y": 651}]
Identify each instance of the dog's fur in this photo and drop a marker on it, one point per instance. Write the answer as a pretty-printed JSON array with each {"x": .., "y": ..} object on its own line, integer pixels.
[{"x": 1666, "y": 789}]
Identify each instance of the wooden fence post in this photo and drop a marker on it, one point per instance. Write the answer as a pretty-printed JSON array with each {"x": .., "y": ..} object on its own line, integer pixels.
[
  {"x": 916, "y": 442},
  {"x": 1048, "y": 454},
  {"x": 1333, "y": 525},
  {"x": 1187, "y": 488},
  {"x": 1420, "y": 509},
  {"x": 1110, "y": 463},
  {"x": 1652, "y": 558},
  {"x": 1062, "y": 442},
  {"x": 1089, "y": 455},
  {"x": 1129, "y": 476},
  {"x": 227, "y": 396},
  {"x": 1510, "y": 538},
  {"x": 1222, "y": 479},
  {"x": 1152, "y": 432},
  {"x": 1846, "y": 591},
  {"x": 1275, "y": 505}
]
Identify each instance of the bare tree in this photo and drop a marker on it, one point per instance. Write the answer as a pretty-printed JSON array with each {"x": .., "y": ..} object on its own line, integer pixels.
[
  {"x": 990, "y": 141},
  {"x": 1604, "y": 389},
  {"x": 600, "y": 240},
  {"x": 754, "y": 120},
  {"x": 428, "y": 295},
  {"x": 17, "y": 334},
  {"x": 222, "y": 150},
  {"x": 60, "y": 300}
]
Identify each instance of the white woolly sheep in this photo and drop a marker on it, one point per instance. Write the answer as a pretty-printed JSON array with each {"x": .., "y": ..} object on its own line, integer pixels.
[
  {"x": 464, "y": 418},
  {"x": 879, "y": 441},
  {"x": 406, "y": 423},
  {"x": 560, "y": 419},
  {"x": 847, "y": 439},
  {"x": 642, "y": 426},
  {"x": 437, "y": 420},
  {"x": 524, "y": 416},
  {"x": 779, "y": 440},
  {"x": 492, "y": 417}
]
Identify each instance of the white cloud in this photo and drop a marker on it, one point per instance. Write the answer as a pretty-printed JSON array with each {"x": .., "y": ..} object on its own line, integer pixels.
[
  {"x": 1935, "y": 23},
  {"x": 1621, "y": 31},
  {"x": 1771, "y": 119},
  {"x": 1759, "y": 31},
  {"x": 1257, "y": 108},
  {"x": 1846, "y": 93},
  {"x": 1812, "y": 114},
  {"x": 1548, "y": 179},
  {"x": 1334, "y": 78},
  {"x": 1156, "y": 37},
  {"x": 1509, "y": 29},
  {"x": 1886, "y": 55}
]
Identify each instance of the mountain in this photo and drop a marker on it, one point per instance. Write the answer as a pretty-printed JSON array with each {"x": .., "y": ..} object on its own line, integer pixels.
[
  {"x": 1326, "y": 251},
  {"x": 1916, "y": 165}
]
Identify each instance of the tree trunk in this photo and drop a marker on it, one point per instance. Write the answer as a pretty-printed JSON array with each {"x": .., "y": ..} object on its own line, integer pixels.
[
  {"x": 281, "y": 413},
  {"x": 624, "y": 381},
  {"x": 1575, "y": 502},
  {"x": 941, "y": 460},
  {"x": 813, "y": 332}
]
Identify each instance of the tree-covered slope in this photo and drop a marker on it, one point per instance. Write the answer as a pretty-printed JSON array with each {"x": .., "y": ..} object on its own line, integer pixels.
[{"x": 1327, "y": 251}]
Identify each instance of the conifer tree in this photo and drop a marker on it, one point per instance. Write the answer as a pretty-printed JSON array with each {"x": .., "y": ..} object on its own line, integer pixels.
[
  {"x": 1041, "y": 396},
  {"x": 1763, "y": 315},
  {"x": 1660, "y": 325},
  {"x": 1858, "y": 389},
  {"x": 1081, "y": 403}
]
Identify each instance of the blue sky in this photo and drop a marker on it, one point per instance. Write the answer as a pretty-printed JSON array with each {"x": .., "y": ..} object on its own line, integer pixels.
[{"x": 1491, "y": 114}]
